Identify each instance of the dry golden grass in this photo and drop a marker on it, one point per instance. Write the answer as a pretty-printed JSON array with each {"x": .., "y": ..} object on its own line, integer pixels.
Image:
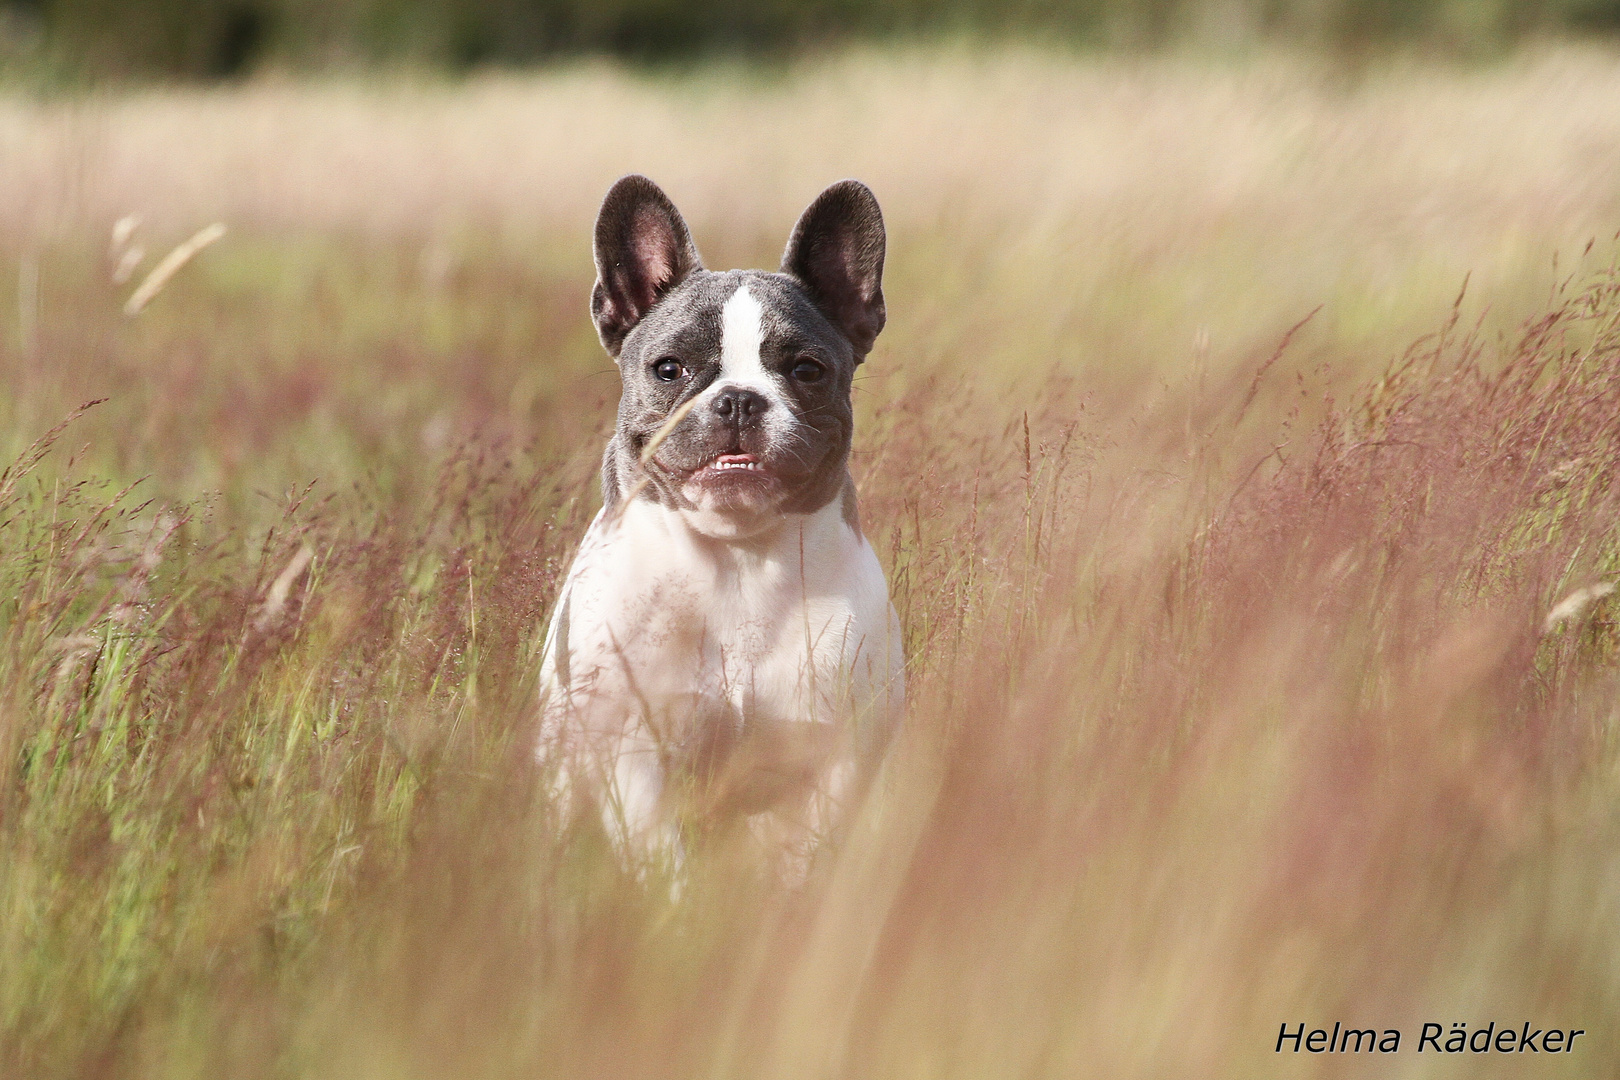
[{"x": 1238, "y": 695}]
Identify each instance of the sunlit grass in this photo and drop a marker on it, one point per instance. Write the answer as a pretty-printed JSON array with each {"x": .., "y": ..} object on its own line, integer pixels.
[{"x": 1233, "y": 696}]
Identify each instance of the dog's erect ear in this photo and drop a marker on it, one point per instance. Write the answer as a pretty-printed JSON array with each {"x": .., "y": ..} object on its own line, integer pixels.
[
  {"x": 836, "y": 251},
  {"x": 643, "y": 250}
]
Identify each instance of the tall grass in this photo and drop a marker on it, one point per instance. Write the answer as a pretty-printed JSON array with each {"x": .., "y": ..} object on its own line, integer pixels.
[{"x": 1247, "y": 686}]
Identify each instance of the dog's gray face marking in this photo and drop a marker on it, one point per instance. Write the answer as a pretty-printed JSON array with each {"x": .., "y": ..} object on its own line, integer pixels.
[
  {"x": 766, "y": 360},
  {"x": 771, "y": 422}
]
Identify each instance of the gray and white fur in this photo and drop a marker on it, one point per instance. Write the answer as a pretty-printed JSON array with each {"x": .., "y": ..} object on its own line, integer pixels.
[{"x": 724, "y": 648}]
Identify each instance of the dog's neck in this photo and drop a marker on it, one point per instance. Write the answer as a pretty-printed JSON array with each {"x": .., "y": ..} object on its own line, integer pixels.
[{"x": 748, "y": 578}]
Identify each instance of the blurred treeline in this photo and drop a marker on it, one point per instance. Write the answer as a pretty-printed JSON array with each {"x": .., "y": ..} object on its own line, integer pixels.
[{"x": 223, "y": 38}]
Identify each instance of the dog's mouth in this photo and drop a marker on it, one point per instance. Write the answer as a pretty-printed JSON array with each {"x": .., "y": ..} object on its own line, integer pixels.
[
  {"x": 733, "y": 466},
  {"x": 734, "y": 481}
]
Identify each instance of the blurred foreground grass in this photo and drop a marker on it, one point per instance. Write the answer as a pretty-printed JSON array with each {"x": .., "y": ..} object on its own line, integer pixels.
[{"x": 1235, "y": 702}]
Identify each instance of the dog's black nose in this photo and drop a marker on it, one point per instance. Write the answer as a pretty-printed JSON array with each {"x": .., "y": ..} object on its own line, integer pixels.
[{"x": 739, "y": 404}]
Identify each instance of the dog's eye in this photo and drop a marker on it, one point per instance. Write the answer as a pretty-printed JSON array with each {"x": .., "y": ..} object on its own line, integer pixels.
[
  {"x": 808, "y": 371},
  {"x": 668, "y": 369}
]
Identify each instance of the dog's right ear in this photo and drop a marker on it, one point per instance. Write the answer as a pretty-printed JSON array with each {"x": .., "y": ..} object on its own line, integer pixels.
[{"x": 643, "y": 250}]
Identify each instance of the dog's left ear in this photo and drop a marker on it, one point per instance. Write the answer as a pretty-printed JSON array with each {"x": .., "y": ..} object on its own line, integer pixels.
[{"x": 836, "y": 252}]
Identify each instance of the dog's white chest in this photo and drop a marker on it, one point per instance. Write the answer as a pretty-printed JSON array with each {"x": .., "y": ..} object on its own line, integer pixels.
[{"x": 660, "y": 627}]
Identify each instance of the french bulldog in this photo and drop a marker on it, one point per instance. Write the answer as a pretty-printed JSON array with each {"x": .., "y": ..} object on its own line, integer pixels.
[{"x": 723, "y": 648}]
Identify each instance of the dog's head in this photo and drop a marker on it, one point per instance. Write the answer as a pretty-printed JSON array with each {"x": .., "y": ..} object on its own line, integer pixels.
[{"x": 753, "y": 368}]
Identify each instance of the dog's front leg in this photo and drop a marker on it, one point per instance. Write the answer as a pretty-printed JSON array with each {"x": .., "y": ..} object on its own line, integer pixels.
[
  {"x": 793, "y": 832},
  {"x": 635, "y": 812}
]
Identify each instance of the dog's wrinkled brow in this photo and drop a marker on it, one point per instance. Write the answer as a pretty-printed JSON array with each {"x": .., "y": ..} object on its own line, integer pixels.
[{"x": 696, "y": 338}]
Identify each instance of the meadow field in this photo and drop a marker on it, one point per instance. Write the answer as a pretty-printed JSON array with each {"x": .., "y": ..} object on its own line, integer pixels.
[{"x": 1240, "y": 452}]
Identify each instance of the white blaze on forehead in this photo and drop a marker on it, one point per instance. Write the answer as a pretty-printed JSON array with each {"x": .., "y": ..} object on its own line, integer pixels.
[{"x": 742, "y": 332}]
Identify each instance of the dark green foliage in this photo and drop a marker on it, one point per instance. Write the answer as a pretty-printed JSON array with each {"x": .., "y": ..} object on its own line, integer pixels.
[{"x": 223, "y": 38}]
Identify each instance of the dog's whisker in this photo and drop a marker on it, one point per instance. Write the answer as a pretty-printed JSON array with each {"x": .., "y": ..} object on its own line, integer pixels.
[{"x": 671, "y": 422}]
